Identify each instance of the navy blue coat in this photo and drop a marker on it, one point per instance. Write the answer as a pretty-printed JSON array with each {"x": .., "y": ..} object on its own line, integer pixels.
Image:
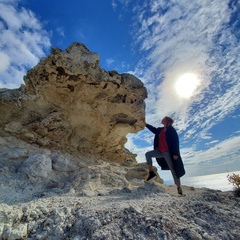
[{"x": 173, "y": 146}]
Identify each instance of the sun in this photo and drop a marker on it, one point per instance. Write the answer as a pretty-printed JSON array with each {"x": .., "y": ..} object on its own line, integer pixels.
[{"x": 186, "y": 85}]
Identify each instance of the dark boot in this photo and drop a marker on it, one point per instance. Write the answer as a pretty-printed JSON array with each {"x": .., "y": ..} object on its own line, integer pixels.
[
  {"x": 151, "y": 175},
  {"x": 179, "y": 191}
]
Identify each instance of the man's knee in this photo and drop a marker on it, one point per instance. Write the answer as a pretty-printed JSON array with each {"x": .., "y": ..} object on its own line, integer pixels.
[{"x": 147, "y": 155}]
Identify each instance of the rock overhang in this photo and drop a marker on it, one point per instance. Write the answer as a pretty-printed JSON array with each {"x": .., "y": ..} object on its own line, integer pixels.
[{"x": 70, "y": 104}]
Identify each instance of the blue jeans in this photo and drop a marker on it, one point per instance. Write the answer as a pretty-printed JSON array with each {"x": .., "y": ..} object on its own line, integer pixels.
[{"x": 166, "y": 155}]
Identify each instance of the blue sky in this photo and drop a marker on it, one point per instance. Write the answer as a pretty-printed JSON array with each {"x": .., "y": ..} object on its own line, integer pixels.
[{"x": 159, "y": 41}]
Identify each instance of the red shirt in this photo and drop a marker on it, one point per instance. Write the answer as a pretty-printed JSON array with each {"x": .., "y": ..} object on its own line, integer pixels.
[{"x": 162, "y": 145}]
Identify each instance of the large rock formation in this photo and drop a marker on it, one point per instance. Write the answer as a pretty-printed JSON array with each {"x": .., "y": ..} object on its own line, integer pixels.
[
  {"x": 65, "y": 129},
  {"x": 70, "y": 104}
]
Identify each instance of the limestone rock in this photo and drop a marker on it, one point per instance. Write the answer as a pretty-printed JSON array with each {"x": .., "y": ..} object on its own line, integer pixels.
[
  {"x": 28, "y": 172},
  {"x": 69, "y": 103},
  {"x": 37, "y": 166},
  {"x": 102, "y": 201},
  {"x": 62, "y": 164}
]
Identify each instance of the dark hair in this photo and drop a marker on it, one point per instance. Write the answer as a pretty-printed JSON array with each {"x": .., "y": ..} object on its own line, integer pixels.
[{"x": 169, "y": 121}]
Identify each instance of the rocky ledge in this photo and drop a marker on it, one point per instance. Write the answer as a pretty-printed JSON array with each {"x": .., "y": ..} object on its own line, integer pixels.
[{"x": 45, "y": 194}]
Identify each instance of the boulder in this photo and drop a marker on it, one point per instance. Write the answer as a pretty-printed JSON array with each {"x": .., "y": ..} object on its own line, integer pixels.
[{"x": 37, "y": 166}]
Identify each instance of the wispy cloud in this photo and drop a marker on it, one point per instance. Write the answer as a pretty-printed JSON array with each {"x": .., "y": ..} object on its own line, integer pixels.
[
  {"x": 201, "y": 37},
  {"x": 114, "y": 5},
  {"x": 60, "y": 31},
  {"x": 222, "y": 150},
  {"x": 110, "y": 61},
  {"x": 218, "y": 158},
  {"x": 180, "y": 38},
  {"x": 22, "y": 42}
]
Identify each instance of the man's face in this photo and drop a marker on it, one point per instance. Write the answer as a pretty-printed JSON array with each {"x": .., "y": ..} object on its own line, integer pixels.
[{"x": 164, "y": 121}]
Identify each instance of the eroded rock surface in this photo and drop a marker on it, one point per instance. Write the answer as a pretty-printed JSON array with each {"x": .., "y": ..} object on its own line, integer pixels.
[
  {"x": 75, "y": 200},
  {"x": 70, "y": 104}
]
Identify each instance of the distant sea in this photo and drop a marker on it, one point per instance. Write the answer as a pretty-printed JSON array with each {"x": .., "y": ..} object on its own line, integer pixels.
[{"x": 214, "y": 181}]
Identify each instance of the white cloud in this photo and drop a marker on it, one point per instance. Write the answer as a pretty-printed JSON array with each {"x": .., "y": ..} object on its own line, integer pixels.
[
  {"x": 4, "y": 61},
  {"x": 213, "y": 142},
  {"x": 218, "y": 158},
  {"x": 114, "y": 5},
  {"x": 179, "y": 41},
  {"x": 190, "y": 36},
  {"x": 224, "y": 149},
  {"x": 110, "y": 61},
  {"x": 60, "y": 31},
  {"x": 183, "y": 40},
  {"x": 22, "y": 41}
]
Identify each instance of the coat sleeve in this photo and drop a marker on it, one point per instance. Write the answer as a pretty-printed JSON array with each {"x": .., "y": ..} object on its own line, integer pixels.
[
  {"x": 151, "y": 128},
  {"x": 174, "y": 142}
]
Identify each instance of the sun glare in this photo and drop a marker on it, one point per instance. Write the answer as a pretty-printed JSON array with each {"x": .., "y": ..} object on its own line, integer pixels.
[{"x": 186, "y": 85}]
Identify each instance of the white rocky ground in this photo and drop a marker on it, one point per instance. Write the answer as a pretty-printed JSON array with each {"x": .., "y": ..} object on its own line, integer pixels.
[{"x": 61, "y": 199}]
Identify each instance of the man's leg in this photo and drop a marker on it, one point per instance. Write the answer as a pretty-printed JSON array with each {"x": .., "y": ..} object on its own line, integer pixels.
[
  {"x": 171, "y": 167},
  {"x": 149, "y": 155}
]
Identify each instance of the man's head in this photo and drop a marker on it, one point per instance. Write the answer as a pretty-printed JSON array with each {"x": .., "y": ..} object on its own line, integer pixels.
[{"x": 167, "y": 121}]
